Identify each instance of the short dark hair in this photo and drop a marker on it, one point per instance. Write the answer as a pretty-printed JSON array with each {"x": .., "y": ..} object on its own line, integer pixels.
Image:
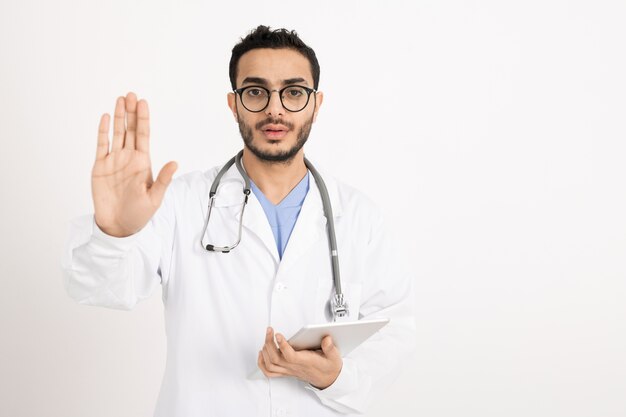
[{"x": 264, "y": 37}]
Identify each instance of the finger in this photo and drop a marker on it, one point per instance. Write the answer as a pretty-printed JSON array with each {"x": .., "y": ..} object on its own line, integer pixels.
[
  {"x": 158, "y": 188},
  {"x": 131, "y": 120},
  {"x": 143, "y": 126},
  {"x": 289, "y": 354},
  {"x": 118, "y": 124},
  {"x": 103, "y": 137},
  {"x": 269, "y": 336},
  {"x": 273, "y": 355},
  {"x": 273, "y": 367},
  {"x": 261, "y": 363},
  {"x": 328, "y": 347},
  {"x": 270, "y": 347}
]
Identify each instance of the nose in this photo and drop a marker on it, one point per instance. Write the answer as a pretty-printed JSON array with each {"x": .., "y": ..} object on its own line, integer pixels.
[{"x": 275, "y": 106}]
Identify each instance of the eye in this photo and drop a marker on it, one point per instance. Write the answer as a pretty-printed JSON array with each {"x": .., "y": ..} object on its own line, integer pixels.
[
  {"x": 295, "y": 92},
  {"x": 255, "y": 92}
]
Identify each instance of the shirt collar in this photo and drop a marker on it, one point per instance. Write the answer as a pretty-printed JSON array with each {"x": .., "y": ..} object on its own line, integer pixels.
[{"x": 293, "y": 199}]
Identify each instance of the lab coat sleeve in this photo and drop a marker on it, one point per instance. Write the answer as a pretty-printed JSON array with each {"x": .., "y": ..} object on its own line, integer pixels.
[
  {"x": 107, "y": 271},
  {"x": 375, "y": 364}
]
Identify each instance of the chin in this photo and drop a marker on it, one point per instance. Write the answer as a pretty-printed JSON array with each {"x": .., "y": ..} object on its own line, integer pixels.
[
  {"x": 276, "y": 152},
  {"x": 274, "y": 145}
]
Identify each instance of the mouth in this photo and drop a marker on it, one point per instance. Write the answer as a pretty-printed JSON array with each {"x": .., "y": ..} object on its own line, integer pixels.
[{"x": 272, "y": 131}]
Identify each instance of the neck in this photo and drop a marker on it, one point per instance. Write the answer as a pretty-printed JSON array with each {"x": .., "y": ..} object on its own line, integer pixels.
[{"x": 275, "y": 180}]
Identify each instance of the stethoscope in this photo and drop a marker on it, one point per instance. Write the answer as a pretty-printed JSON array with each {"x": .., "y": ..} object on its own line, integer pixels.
[{"x": 337, "y": 305}]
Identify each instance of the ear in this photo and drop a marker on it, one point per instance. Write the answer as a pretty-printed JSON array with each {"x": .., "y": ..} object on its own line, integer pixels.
[
  {"x": 319, "y": 97},
  {"x": 232, "y": 103}
]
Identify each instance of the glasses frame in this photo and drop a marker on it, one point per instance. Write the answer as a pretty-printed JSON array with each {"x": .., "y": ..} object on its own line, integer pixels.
[{"x": 269, "y": 92}]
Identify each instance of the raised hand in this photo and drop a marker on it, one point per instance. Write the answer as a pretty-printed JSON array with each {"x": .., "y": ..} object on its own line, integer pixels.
[{"x": 125, "y": 196}]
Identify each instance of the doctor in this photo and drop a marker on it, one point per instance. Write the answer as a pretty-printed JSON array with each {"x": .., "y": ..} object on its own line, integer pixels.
[{"x": 227, "y": 314}]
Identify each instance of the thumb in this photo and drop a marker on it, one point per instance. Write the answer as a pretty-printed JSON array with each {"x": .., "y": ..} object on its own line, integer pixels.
[
  {"x": 329, "y": 348},
  {"x": 163, "y": 180}
]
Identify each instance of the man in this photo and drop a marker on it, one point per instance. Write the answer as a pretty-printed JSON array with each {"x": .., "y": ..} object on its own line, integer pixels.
[{"x": 228, "y": 314}]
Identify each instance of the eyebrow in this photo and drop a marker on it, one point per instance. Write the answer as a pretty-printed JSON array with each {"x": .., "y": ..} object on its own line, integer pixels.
[
  {"x": 263, "y": 81},
  {"x": 297, "y": 80}
]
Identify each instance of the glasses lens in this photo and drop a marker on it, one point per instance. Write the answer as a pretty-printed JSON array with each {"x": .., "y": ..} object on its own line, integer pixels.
[
  {"x": 254, "y": 98},
  {"x": 295, "y": 98}
]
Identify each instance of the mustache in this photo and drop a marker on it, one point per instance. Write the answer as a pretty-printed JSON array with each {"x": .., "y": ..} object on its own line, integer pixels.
[{"x": 273, "y": 121}]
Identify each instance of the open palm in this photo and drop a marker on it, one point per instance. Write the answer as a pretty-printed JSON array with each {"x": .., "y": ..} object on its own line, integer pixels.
[{"x": 124, "y": 193}]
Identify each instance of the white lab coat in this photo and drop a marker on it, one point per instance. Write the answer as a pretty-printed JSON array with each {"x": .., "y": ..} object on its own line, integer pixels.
[{"x": 218, "y": 306}]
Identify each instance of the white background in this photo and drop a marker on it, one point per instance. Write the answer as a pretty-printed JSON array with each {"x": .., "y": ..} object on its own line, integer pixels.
[{"x": 491, "y": 133}]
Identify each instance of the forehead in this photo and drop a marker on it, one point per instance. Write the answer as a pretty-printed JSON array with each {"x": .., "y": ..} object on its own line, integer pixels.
[{"x": 275, "y": 65}]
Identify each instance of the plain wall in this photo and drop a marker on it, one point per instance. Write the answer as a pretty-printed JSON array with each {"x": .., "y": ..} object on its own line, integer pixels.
[{"x": 492, "y": 134}]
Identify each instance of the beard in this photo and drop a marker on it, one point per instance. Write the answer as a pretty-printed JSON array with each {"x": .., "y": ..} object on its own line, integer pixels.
[{"x": 283, "y": 157}]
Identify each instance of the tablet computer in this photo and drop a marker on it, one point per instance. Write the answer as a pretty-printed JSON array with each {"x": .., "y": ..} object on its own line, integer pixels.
[{"x": 346, "y": 335}]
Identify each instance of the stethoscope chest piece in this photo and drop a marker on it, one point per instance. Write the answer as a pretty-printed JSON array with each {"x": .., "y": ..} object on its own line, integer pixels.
[{"x": 337, "y": 308}]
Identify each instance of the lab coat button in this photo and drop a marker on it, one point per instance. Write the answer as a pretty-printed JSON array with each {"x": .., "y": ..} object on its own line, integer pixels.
[
  {"x": 280, "y": 286},
  {"x": 281, "y": 412}
]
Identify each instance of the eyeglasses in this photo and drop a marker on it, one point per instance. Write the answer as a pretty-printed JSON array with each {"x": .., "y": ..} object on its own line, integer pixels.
[{"x": 293, "y": 97}]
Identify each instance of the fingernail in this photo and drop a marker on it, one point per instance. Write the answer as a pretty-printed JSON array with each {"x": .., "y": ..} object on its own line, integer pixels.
[
  {"x": 279, "y": 338},
  {"x": 269, "y": 330}
]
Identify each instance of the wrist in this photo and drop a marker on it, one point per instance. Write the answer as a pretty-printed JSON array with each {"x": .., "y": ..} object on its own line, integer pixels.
[
  {"x": 112, "y": 231},
  {"x": 327, "y": 381}
]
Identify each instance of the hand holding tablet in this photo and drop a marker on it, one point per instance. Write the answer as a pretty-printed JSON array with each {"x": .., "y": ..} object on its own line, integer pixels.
[{"x": 346, "y": 336}]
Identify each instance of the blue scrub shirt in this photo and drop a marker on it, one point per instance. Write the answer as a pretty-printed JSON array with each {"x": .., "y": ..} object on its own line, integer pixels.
[{"x": 282, "y": 216}]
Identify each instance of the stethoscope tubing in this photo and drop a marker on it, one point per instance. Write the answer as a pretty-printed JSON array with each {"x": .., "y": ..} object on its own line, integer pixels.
[{"x": 337, "y": 305}]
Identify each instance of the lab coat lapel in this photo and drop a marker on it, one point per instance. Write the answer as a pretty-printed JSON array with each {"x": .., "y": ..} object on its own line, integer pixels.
[
  {"x": 255, "y": 220},
  {"x": 310, "y": 227}
]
